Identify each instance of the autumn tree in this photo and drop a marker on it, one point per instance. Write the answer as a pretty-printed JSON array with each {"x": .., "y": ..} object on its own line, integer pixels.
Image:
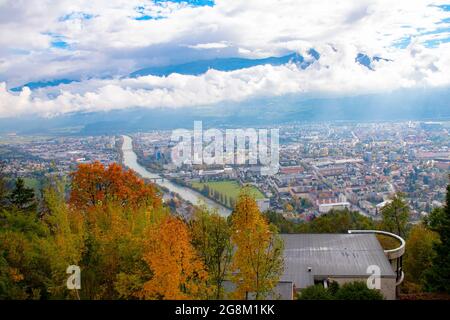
[
  {"x": 119, "y": 210},
  {"x": 116, "y": 205},
  {"x": 395, "y": 215},
  {"x": 257, "y": 262},
  {"x": 23, "y": 267},
  {"x": 64, "y": 244},
  {"x": 177, "y": 270},
  {"x": 94, "y": 184},
  {"x": 115, "y": 229},
  {"x": 419, "y": 254},
  {"x": 18, "y": 255},
  {"x": 211, "y": 238}
]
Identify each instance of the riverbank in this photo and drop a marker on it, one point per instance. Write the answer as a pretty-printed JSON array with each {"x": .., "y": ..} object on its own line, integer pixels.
[{"x": 129, "y": 159}]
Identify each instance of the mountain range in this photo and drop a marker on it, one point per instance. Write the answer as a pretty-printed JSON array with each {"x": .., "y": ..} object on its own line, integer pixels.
[{"x": 221, "y": 64}]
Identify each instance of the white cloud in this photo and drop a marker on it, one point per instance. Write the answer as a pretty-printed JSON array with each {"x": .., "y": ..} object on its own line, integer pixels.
[
  {"x": 104, "y": 39},
  {"x": 212, "y": 45},
  {"x": 335, "y": 73}
]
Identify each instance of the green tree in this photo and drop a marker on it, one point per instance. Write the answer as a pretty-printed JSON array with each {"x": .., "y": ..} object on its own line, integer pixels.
[
  {"x": 357, "y": 290},
  {"x": 211, "y": 238},
  {"x": 316, "y": 292},
  {"x": 24, "y": 269},
  {"x": 419, "y": 254},
  {"x": 21, "y": 197},
  {"x": 283, "y": 225},
  {"x": 438, "y": 276},
  {"x": 3, "y": 187},
  {"x": 339, "y": 221},
  {"x": 434, "y": 220},
  {"x": 396, "y": 215}
]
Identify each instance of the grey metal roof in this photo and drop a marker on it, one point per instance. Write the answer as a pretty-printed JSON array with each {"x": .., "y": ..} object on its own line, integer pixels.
[{"x": 344, "y": 255}]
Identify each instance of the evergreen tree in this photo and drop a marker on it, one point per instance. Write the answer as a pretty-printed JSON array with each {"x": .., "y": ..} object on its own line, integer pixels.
[
  {"x": 438, "y": 276},
  {"x": 22, "y": 197}
]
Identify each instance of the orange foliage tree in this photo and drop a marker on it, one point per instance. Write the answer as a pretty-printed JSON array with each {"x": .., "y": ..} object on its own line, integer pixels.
[
  {"x": 177, "y": 270},
  {"x": 118, "y": 207},
  {"x": 114, "y": 265},
  {"x": 94, "y": 184}
]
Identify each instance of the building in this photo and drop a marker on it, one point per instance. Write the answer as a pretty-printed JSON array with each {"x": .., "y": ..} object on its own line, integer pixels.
[
  {"x": 263, "y": 204},
  {"x": 332, "y": 170},
  {"x": 330, "y": 201},
  {"x": 321, "y": 258},
  {"x": 327, "y": 207}
]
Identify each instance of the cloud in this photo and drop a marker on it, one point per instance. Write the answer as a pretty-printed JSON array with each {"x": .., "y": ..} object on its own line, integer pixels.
[
  {"x": 336, "y": 73},
  {"x": 212, "y": 45},
  {"x": 81, "y": 39}
]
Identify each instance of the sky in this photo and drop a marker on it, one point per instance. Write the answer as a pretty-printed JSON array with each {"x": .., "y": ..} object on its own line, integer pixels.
[{"x": 99, "y": 43}]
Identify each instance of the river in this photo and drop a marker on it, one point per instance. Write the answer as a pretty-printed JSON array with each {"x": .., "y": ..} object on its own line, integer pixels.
[{"x": 130, "y": 160}]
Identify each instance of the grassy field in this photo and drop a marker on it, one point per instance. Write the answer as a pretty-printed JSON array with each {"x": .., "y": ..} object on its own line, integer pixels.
[{"x": 229, "y": 190}]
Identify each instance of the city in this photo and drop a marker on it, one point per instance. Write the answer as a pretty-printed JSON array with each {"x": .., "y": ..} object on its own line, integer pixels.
[{"x": 323, "y": 166}]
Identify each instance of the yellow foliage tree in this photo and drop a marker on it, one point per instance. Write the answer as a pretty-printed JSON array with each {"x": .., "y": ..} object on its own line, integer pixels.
[
  {"x": 257, "y": 261},
  {"x": 419, "y": 254},
  {"x": 64, "y": 246},
  {"x": 211, "y": 237},
  {"x": 117, "y": 242}
]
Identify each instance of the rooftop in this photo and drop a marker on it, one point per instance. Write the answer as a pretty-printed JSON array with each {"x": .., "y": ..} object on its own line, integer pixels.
[{"x": 344, "y": 255}]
